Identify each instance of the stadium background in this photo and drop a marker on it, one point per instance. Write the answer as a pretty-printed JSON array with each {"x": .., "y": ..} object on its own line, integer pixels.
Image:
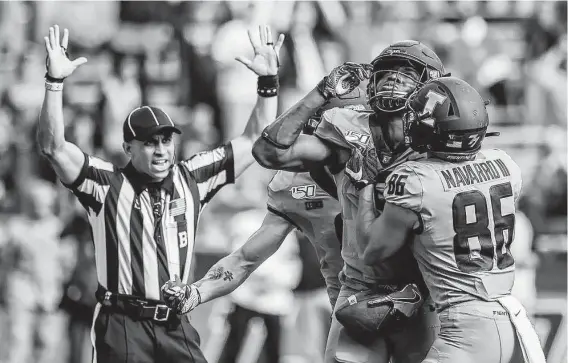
[{"x": 180, "y": 56}]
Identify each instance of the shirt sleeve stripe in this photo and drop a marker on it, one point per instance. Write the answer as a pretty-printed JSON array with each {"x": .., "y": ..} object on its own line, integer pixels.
[
  {"x": 207, "y": 164},
  {"x": 283, "y": 215},
  {"x": 101, "y": 164}
]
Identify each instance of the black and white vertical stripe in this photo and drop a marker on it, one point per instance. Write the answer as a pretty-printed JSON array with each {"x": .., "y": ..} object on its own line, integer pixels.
[{"x": 129, "y": 259}]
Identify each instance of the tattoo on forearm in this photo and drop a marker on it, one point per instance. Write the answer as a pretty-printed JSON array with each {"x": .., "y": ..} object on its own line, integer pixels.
[
  {"x": 228, "y": 276},
  {"x": 215, "y": 273}
]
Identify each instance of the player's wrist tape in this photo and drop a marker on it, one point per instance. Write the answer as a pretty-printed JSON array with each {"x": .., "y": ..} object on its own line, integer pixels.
[
  {"x": 191, "y": 302},
  {"x": 267, "y": 86},
  {"x": 266, "y": 136},
  {"x": 197, "y": 293},
  {"x": 321, "y": 87},
  {"x": 53, "y": 86}
]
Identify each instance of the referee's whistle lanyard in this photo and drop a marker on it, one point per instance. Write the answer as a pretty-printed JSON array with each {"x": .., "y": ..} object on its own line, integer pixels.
[{"x": 157, "y": 207}]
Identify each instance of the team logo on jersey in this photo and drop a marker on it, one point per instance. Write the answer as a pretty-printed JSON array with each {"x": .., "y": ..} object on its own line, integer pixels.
[
  {"x": 303, "y": 191},
  {"x": 385, "y": 157},
  {"x": 354, "y": 175},
  {"x": 357, "y": 137}
]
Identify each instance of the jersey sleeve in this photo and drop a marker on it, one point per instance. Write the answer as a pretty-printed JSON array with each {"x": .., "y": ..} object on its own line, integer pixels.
[
  {"x": 211, "y": 170},
  {"x": 93, "y": 183},
  {"x": 328, "y": 131},
  {"x": 403, "y": 188},
  {"x": 516, "y": 178},
  {"x": 276, "y": 197}
]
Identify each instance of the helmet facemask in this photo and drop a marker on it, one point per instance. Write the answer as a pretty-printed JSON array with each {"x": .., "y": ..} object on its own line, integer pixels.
[{"x": 391, "y": 85}]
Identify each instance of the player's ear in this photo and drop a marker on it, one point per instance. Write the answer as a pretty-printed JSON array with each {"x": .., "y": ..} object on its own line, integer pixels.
[{"x": 127, "y": 148}]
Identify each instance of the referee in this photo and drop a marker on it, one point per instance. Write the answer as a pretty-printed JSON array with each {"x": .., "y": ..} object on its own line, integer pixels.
[{"x": 143, "y": 217}]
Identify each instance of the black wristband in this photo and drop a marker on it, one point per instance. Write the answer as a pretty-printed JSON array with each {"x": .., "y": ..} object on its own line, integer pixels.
[
  {"x": 268, "y": 86},
  {"x": 53, "y": 80}
]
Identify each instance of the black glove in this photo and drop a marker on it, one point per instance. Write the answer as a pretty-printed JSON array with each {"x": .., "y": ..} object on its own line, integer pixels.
[{"x": 343, "y": 79}]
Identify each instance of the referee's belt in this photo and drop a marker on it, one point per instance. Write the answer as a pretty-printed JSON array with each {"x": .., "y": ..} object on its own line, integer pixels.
[{"x": 135, "y": 307}]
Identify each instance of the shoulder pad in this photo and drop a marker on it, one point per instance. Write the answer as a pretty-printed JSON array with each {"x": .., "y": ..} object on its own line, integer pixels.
[
  {"x": 403, "y": 187},
  {"x": 327, "y": 131},
  {"x": 281, "y": 180}
]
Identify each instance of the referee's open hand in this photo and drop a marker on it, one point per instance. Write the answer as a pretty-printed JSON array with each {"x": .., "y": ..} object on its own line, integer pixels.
[
  {"x": 59, "y": 66},
  {"x": 265, "y": 61}
]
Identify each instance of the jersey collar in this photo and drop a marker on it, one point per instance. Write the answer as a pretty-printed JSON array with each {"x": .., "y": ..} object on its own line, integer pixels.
[{"x": 140, "y": 181}]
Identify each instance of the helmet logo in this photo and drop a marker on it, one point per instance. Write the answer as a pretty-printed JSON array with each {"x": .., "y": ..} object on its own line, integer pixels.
[
  {"x": 433, "y": 98},
  {"x": 393, "y": 51},
  {"x": 434, "y": 73},
  {"x": 473, "y": 139}
]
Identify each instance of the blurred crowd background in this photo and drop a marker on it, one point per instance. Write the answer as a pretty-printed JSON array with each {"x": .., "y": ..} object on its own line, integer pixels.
[{"x": 180, "y": 56}]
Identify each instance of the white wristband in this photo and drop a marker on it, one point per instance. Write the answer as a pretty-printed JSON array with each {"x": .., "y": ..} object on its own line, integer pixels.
[{"x": 54, "y": 86}]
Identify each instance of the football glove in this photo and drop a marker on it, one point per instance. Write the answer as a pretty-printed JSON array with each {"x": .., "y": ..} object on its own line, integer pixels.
[
  {"x": 363, "y": 166},
  {"x": 344, "y": 79},
  {"x": 180, "y": 297}
]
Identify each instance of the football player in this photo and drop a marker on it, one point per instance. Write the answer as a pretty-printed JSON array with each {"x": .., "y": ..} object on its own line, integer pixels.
[
  {"x": 456, "y": 210},
  {"x": 358, "y": 148}
]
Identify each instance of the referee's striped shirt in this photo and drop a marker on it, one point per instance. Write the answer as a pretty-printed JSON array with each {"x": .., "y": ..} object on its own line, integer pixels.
[{"x": 130, "y": 258}]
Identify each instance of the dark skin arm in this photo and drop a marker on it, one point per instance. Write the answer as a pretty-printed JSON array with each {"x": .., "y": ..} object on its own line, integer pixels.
[
  {"x": 382, "y": 236},
  {"x": 304, "y": 149},
  {"x": 282, "y": 147}
]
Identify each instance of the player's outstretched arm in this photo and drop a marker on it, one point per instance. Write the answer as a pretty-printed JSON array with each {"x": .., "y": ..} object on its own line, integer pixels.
[
  {"x": 381, "y": 237},
  {"x": 65, "y": 157},
  {"x": 281, "y": 145},
  {"x": 231, "y": 271},
  {"x": 265, "y": 65}
]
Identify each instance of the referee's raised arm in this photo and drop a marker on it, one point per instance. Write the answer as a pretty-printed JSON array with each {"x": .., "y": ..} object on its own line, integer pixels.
[
  {"x": 265, "y": 64},
  {"x": 65, "y": 157}
]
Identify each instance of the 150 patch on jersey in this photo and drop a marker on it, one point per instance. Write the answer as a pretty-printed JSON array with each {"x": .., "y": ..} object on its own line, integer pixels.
[
  {"x": 357, "y": 137},
  {"x": 303, "y": 191}
]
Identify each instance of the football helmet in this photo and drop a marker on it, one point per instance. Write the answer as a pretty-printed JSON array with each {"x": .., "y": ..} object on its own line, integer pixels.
[
  {"x": 448, "y": 118},
  {"x": 397, "y": 71}
]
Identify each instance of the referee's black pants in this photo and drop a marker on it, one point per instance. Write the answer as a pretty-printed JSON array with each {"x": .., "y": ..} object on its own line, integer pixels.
[{"x": 119, "y": 338}]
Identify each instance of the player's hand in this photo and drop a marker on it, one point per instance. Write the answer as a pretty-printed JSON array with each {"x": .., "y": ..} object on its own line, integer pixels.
[
  {"x": 344, "y": 79},
  {"x": 363, "y": 166},
  {"x": 59, "y": 66},
  {"x": 265, "y": 61},
  {"x": 180, "y": 297}
]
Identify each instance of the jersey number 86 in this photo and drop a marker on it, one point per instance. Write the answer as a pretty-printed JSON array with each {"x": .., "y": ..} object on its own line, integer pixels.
[{"x": 503, "y": 229}]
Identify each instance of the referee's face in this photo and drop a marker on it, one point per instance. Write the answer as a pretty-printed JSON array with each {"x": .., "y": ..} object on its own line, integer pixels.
[{"x": 153, "y": 156}]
